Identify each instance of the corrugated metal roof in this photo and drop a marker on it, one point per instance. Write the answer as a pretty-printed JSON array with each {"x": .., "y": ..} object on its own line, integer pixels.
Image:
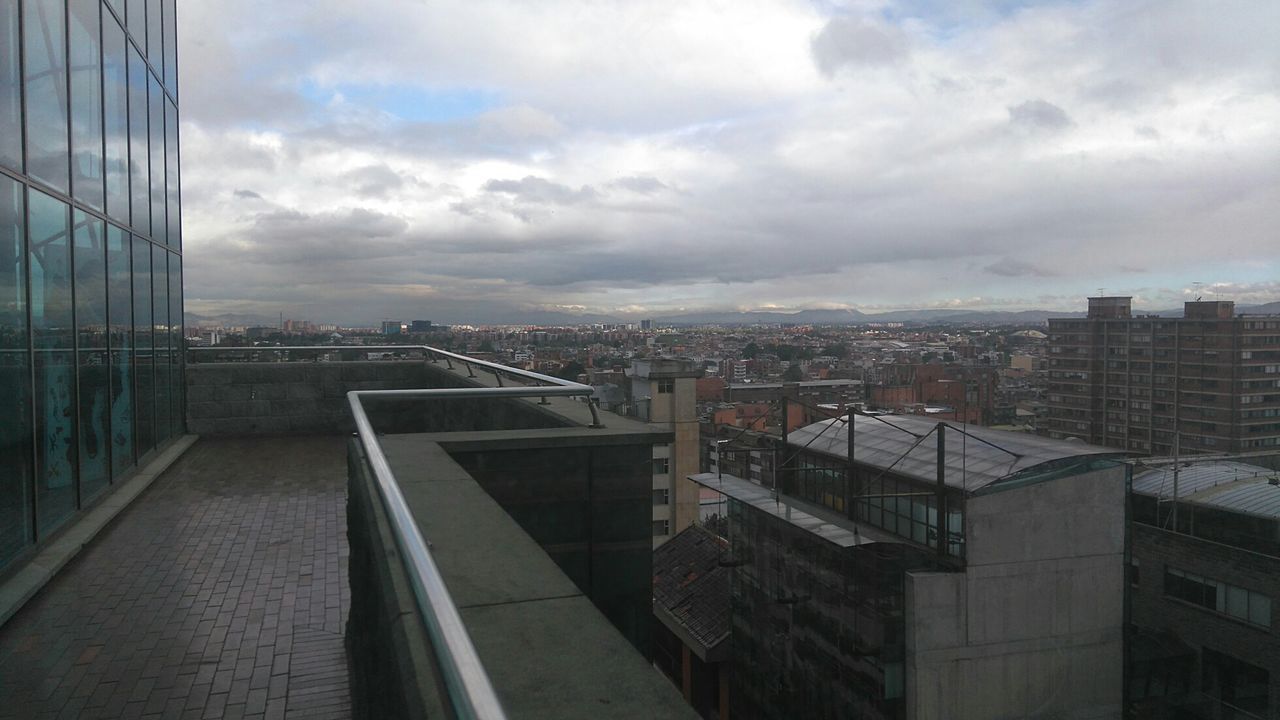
[
  {"x": 971, "y": 464},
  {"x": 1234, "y": 486}
]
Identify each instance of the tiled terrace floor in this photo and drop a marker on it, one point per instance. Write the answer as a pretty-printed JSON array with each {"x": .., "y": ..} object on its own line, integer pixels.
[{"x": 221, "y": 592}]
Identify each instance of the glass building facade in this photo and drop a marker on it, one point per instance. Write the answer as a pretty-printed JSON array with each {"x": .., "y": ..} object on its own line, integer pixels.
[{"x": 90, "y": 254}]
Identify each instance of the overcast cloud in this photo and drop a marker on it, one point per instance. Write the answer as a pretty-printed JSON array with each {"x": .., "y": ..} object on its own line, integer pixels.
[{"x": 455, "y": 161}]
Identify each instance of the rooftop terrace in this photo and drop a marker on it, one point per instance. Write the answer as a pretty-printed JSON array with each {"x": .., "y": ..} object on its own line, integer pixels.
[{"x": 260, "y": 575}]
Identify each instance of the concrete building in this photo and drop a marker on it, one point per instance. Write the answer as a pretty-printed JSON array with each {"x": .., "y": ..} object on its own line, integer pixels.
[
  {"x": 851, "y": 597},
  {"x": 663, "y": 394},
  {"x": 1204, "y": 588},
  {"x": 1206, "y": 382}
]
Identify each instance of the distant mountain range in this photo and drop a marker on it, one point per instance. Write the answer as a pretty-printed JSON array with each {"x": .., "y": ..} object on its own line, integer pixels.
[{"x": 803, "y": 317}]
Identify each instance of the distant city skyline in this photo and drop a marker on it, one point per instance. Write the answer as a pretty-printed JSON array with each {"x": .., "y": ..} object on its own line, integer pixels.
[{"x": 481, "y": 159}]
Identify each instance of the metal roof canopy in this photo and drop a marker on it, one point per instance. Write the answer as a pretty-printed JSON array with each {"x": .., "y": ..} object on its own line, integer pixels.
[
  {"x": 823, "y": 522},
  {"x": 971, "y": 463},
  {"x": 1224, "y": 485}
]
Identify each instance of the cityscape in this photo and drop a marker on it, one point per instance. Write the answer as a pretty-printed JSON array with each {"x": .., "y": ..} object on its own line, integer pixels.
[{"x": 896, "y": 360}]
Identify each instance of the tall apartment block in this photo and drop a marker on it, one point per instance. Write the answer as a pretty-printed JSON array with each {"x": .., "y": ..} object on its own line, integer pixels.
[
  {"x": 90, "y": 255},
  {"x": 1210, "y": 379}
]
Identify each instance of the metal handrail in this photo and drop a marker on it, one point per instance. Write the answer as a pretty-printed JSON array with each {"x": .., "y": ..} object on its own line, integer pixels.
[{"x": 470, "y": 693}]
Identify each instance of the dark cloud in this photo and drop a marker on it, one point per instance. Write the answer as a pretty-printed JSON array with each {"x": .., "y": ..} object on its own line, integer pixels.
[
  {"x": 1039, "y": 114},
  {"x": 373, "y": 181},
  {"x": 853, "y": 42},
  {"x": 1009, "y": 267},
  {"x": 640, "y": 184},
  {"x": 540, "y": 190},
  {"x": 247, "y": 194},
  {"x": 1146, "y": 132}
]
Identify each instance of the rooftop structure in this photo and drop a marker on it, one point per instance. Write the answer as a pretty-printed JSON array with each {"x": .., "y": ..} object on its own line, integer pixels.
[
  {"x": 976, "y": 460},
  {"x": 934, "y": 571},
  {"x": 1204, "y": 584}
]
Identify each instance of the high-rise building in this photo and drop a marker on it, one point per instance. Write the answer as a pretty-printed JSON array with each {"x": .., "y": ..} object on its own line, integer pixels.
[
  {"x": 1210, "y": 379},
  {"x": 90, "y": 235}
]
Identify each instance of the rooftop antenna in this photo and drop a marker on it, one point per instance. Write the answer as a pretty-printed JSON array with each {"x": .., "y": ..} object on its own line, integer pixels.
[
  {"x": 1102, "y": 292},
  {"x": 1196, "y": 284}
]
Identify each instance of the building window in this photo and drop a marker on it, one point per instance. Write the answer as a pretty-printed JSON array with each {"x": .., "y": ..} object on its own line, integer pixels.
[
  {"x": 1133, "y": 572},
  {"x": 661, "y": 527},
  {"x": 661, "y": 466},
  {"x": 1237, "y": 602},
  {"x": 661, "y": 497},
  {"x": 666, "y": 386},
  {"x": 1236, "y": 683}
]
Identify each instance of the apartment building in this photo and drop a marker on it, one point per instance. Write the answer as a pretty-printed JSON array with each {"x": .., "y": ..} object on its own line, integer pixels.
[{"x": 1206, "y": 382}]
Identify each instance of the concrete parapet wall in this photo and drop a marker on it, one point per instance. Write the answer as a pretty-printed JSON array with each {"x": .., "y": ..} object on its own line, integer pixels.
[
  {"x": 311, "y": 398},
  {"x": 392, "y": 663}
]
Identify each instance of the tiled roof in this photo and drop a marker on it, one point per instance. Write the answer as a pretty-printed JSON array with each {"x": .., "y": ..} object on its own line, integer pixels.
[{"x": 692, "y": 586}]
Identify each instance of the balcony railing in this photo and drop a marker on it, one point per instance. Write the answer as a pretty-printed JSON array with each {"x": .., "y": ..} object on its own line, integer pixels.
[{"x": 463, "y": 679}]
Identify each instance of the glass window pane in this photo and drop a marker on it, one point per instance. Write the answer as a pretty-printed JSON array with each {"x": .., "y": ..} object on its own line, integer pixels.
[
  {"x": 139, "y": 160},
  {"x": 177, "y": 344},
  {"x": 174, "y": 213},
  {"x": 10, "y": 89},
  {"x": 118, "y": 6},
  {"x": 91, "y": 328},
  {"x": 144, "y": 380},
  {"x": 45, "y": 55},
  {"x": 154, "y": 50},
  {"x": 49, "y": 268},
  {"x": 160, "y": 337},
  {"x": 15, "y": 379},
  {"x": 1237, "y": 601},
  {"x": 86, "y": 102},
  {"x": 115, "y": 82},
  {"x": 135, "y": 19},
  {"x": 120, "y": 308},
  {"x": 157, "y": 101},
  {"x": 171, "y": 46},
  {"x": 1259, "y": 609}
]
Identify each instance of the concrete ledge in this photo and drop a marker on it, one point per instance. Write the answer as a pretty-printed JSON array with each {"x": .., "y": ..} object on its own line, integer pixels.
[{"x": 39, "y": 570}]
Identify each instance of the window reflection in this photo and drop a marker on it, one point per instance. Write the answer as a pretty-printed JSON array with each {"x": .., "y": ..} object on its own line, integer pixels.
[
  {"x": 91, "y": 326},
  {"x": 86, "y": 102},
  {"x": 115, "y": 81},
  {"x": 15, "y": 379},
  {"x": 45, "y": 52},
  {"x": 143, "y": 358},
  {"x": 10, "y": 88},
  {"x": 49, "y": 268},
  {"x": 120, "y": 342}
]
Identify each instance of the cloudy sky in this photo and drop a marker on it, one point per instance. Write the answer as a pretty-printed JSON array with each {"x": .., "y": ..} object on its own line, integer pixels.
[{"x": 461, "y": 161}]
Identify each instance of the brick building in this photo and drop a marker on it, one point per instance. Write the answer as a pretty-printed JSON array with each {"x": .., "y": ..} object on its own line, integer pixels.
[{"x": 1211, "y": 379}]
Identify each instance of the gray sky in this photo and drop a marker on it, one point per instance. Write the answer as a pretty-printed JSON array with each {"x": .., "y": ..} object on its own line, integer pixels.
[{"x": 455, "y": 160}]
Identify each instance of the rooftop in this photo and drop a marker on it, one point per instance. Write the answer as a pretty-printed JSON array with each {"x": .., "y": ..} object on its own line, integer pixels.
[
  {"x": 820, "y": 521},
  {"x": 691, "y": 588},
  {"x": 984, "y": 460},
  {"x": 221, "y": 591},
  {"x": 1224, "y": 485}
]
